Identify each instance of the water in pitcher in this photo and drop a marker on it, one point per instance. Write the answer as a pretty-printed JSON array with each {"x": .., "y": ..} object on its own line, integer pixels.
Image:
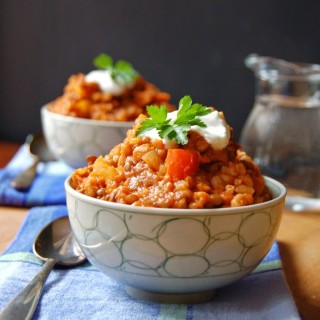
[{"x": 282, "y": 132}]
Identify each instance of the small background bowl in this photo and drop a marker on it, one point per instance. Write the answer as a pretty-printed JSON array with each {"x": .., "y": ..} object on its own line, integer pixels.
[
  {"x": 174, "y": 255},
  {"x": 72, "y": 139}
]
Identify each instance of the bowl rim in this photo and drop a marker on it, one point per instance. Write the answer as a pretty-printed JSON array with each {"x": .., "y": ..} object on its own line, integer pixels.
[
  {"x": 68, "y": 119},
  {"x": 185, "y": 212}
]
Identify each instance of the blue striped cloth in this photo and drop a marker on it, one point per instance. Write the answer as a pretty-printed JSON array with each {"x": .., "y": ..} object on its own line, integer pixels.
[
  {"x": 84, "y": 293},
  {"x": 47, "y": 188}
]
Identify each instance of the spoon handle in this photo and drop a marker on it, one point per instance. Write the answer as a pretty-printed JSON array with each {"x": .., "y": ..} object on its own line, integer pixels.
[
  {"x": 24, "y": 179},
  {"x": 24, "y": 304}
]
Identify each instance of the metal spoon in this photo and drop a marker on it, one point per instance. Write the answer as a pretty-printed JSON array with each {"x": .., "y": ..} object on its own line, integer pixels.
[
  {"x": 55, "y": 244},
  {"x": 39, "y": 151}
]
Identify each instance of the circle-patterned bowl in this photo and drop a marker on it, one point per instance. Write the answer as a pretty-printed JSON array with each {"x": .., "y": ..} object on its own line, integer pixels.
[
  {"x": 181, "y": 253},
  {"x": 72, "y": 139}
]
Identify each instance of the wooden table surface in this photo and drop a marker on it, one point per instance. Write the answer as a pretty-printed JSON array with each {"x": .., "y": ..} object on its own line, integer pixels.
[{"x": 298, "y": 238}]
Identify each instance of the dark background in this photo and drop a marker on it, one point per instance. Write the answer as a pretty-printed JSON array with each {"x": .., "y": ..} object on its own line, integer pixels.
[{"x": 184, "y": 47}]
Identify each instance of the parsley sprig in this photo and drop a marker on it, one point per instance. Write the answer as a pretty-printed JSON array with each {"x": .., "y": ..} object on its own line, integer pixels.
[
  {"x": 175, "y": 129},
  {"x": 122, "y": 71}
]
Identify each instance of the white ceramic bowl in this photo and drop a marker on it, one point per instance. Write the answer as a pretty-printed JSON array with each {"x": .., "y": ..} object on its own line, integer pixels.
[
  {"x": 72, "y": 139},
  {"x": 179, "y": 254}
]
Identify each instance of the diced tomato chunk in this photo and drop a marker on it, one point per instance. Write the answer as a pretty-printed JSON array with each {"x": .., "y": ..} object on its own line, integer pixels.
[{"x": 182, "y": 163}]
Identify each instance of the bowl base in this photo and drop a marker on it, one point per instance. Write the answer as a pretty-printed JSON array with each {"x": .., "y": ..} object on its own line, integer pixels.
[{"x": 175, "y": 298}]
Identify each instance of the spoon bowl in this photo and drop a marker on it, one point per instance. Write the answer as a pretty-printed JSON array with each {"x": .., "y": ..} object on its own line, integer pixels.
[
  {"x": 56, "y": 241},
  {"x": 39, "y": 152},
  {"x": 38, "y": 147},
  {"x": 55, "y": 244}
]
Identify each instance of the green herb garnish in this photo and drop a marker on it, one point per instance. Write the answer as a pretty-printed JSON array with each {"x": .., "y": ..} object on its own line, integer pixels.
[
  {"x": 177, "y": 129},
  {"x": 122, "y": 71}
]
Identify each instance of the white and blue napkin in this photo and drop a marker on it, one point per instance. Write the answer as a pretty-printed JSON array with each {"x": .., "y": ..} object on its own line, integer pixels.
[{"x": 47, "y": 188}]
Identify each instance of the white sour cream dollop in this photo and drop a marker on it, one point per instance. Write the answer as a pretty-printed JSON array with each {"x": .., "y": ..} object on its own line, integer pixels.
[
  {"x": 106, "y": 83},
  {"x": 216, "y": 133}
]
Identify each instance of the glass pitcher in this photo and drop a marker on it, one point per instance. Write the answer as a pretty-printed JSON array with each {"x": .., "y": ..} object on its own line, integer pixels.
[{"x": 282, "y": 132}]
